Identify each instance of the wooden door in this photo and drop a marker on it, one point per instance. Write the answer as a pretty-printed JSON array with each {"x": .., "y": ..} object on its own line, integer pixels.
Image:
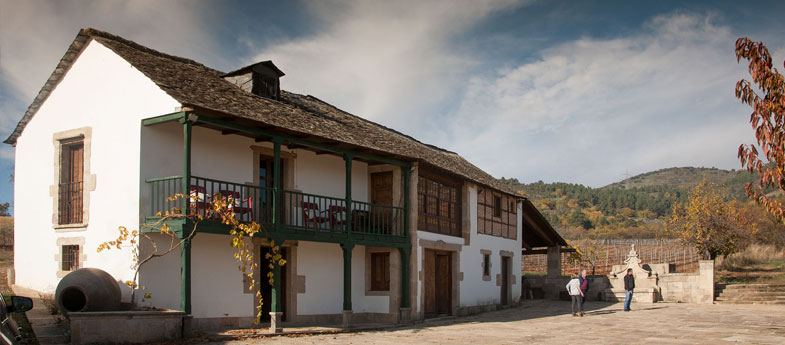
[
  {"x": 429, "y": 283},
  {"x": 437, "y": 283},
  {"x": 382, "y": 188},
  {"x": 382, "y": 194},
  {"x": 505, "y": 280},
  {"x": 443, "y": 284},
  {"x": 266, "y": 289}
]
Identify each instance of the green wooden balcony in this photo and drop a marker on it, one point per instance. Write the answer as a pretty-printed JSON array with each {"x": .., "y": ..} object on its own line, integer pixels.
[{"x": 299, "y": 215}]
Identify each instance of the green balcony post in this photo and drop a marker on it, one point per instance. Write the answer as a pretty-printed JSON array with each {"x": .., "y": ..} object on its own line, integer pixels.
[
  {"x": 275, "y": 293},
  {"x": 347, "y": 157},
  {"x": 347, "y": 275},
  {"x": 185, "y": 255},
  {"x": 406, "y": 206},
  {"x": 186, "y": 163},
  {"x": 405, "y": 258},
  {"x": 276, "y": 184},
  {"x": 185, "y": 274}
]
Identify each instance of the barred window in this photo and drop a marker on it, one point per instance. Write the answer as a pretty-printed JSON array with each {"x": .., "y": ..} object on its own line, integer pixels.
[
  {"x": 439, "y": 204},
  {"x": 70, "y": 259}
]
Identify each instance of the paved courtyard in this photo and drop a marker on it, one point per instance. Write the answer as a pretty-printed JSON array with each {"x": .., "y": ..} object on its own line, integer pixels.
[{"x": 549, "y": 322}]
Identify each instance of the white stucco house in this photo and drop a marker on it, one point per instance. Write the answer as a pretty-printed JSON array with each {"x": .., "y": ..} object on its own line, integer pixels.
[{"x": 375, "y": 225}]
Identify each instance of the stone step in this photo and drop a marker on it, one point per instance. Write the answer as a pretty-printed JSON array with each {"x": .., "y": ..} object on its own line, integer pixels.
[
  {"x": 754, "y": 286},
  {"x": 749, "y": 298},
  {"x": 751, "y": 302},
  {"x": 752, "y": 293}
]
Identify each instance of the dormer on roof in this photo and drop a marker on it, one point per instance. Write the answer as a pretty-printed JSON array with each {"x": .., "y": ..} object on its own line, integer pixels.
[{"x": 261, "y": 79}]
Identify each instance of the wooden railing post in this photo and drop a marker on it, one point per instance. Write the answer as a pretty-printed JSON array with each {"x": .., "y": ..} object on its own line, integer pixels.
[
  {"x": 276, "y": 185},
  {"x": 347, "y": 157}
]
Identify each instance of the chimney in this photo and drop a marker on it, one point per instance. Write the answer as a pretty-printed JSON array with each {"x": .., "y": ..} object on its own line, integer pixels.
[{"x": 261, "y": 79}]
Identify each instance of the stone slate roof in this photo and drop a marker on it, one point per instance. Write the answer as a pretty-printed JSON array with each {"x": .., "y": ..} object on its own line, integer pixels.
[{"x": 200, "y": 87}]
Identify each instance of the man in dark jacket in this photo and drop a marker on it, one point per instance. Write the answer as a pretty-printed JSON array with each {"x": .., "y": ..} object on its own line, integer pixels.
[
  {"x": 629, "y": 285},
  {"x": 584, "y": 284}
]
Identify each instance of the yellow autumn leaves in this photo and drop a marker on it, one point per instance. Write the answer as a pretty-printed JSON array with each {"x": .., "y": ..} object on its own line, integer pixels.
[{"x": 714, "y": 225}]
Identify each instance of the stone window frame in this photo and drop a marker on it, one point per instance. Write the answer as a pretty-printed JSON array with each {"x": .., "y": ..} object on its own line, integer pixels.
[
  {"x": 61, "y": 139},
  {"x": 507, "y": 254},
  {"x": 58, "y": 257},
  {"x": 513, "y": 279},
  {"x": 485, "y": 253},
  {"x": 394, "y": 270}
]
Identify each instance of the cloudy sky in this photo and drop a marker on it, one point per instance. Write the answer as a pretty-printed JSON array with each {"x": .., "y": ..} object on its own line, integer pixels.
[{"x": 574, "y": 91}]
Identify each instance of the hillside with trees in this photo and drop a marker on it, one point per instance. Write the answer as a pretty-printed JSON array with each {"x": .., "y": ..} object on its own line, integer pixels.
[{"x": 637, "y": 207}]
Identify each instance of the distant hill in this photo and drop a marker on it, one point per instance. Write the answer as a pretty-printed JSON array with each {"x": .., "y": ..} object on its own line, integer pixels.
[
  {"x": 634, "y": 207},
  {"x": 687, "y": 178}
]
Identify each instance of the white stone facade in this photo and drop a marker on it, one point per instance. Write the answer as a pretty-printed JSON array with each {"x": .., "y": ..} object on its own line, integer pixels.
[{"x": 104, "y": 99}]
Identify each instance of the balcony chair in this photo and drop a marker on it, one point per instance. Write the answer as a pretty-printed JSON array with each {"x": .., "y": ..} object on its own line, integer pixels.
[
  {"x": 337, "y": 215},
  {"x": 240, "y": 206},
  {"x": 311, "y": 214}
]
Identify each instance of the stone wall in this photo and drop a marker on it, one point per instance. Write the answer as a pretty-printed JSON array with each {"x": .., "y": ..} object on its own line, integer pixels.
[
  {"x": 127, "y": 327},
  {"x": 555, "y": 287},
  {"x": 659, "y": 286},
  {"x": 696, "y": 287}
]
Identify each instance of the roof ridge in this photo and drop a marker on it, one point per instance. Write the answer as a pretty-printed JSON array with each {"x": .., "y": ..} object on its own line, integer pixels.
[{"x": 92, "y": 32}]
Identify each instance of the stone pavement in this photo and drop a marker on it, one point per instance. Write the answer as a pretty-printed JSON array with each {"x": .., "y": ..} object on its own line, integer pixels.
[
  {"x": 549, "y": 322},
  {"x": 44, "y": 325}
]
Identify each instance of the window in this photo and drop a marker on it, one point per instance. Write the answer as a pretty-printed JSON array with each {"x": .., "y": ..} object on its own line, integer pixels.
[
  {"x": 70, "y": 197},
  {"x": 439, "y": 204},
  {"x": 486, "y": 264},
  {"x": 380, "y": 271},
  {"x": 497, "y": 206},
  {"x": 70, "y": 259},
  {"x": 497, "y": 214}
]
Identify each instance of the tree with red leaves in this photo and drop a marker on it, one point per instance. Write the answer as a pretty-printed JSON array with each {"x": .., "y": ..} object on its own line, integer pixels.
[{"x": 767, "y": 99}]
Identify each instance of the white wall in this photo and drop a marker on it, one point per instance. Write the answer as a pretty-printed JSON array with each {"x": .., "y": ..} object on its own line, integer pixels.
[
  {"x": 475, "y": 291},
  {"x": 106, "y": 93},
  {"x": 322, "y": 266},
  {"x": 326, "y": 175},
  {"x": 216, "y": 283},
  {"x": 160, "y": 276}
]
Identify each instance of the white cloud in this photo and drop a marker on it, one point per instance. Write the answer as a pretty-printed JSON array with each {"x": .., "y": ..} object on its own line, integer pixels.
[
  {"x": 390, "y": 62},
  {"x": 591, "y": 109},
  {"x": 34, "y": 35}
]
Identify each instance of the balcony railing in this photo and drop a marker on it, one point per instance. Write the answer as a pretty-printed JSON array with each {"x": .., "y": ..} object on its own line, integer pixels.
[
  {"x": 70, "y": 204},
  {"x": 296, "y": 210}
]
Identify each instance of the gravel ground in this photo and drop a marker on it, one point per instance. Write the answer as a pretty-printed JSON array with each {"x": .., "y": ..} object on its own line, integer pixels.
[{"x": 549, "y": 322}]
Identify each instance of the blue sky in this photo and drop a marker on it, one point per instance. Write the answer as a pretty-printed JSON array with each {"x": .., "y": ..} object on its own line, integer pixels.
[{"x": 574, "y": 91}]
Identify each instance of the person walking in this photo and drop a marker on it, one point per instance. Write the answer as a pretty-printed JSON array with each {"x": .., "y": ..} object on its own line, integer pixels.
[
  {"x": 574, "y": 289},
  {"x": 629, "y": 285},
  {"x": 584, "y": 284}
]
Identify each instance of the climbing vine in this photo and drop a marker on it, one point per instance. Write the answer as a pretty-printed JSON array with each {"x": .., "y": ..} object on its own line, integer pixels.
[{"x": 221, "y": 209}]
